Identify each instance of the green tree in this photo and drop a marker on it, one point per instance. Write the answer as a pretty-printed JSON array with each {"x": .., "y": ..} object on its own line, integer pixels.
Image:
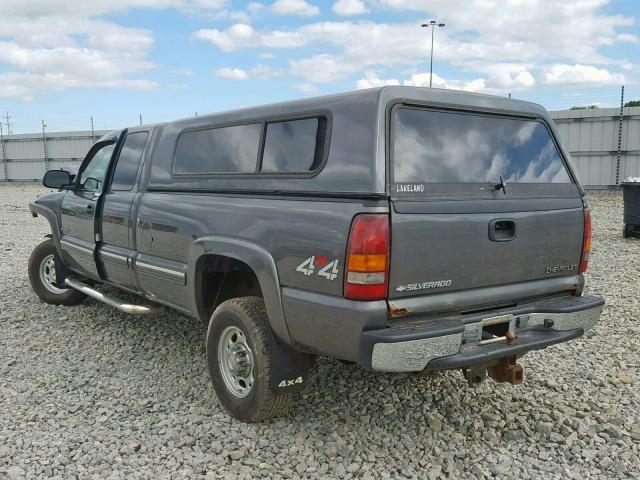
[{"x": 633, "y": 103}]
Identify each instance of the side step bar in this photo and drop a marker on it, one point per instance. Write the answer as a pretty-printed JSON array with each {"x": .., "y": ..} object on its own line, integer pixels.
[{"x": 112, "y": 301}]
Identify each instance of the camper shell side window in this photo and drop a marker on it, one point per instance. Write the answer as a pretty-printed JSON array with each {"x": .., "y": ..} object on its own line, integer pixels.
[{"x": 293, "y": 146}]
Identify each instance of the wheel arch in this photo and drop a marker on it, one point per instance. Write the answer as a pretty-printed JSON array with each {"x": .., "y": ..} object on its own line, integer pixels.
[
  {"x": 50, "y": 215},
  {"x": 261, "y": 264}
]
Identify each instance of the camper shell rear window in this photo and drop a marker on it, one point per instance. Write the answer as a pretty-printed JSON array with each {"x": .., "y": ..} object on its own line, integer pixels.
[{"x": 431, "y": 148}]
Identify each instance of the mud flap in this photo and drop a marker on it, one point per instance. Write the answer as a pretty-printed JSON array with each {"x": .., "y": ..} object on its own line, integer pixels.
[
  {"x": 291, "y": 370},
  {"x": 61, "y": 269}
]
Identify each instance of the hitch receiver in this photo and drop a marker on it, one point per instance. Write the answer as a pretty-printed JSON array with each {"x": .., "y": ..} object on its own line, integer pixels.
[{"x": 508, "y": 370}]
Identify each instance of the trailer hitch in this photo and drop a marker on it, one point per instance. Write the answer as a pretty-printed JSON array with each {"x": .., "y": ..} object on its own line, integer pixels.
[{"x": 507, "y": 370}]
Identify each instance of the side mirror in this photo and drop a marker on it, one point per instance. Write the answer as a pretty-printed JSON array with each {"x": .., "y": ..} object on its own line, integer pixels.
[{"x": 57, "y": 179}]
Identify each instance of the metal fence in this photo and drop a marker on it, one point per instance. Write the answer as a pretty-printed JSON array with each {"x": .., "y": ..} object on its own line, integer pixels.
[
  {"x": 604, "y": 145},
  {"x": 26, "y": 157}
]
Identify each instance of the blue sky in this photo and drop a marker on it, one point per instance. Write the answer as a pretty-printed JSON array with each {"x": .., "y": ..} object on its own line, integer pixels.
[{"x": 63, "y": 61}]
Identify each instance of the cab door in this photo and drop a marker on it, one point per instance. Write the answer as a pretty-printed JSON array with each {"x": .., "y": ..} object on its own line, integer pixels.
[
  {"x": 116, "y": 250},
  {"x": 79, "y": 210}
]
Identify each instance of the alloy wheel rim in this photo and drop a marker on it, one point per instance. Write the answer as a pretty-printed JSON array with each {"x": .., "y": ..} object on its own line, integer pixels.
[{"x": 235, "y": 359}]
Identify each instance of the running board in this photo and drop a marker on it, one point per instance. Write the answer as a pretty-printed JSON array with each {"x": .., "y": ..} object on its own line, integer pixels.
[{"x": 111, "y": 301}]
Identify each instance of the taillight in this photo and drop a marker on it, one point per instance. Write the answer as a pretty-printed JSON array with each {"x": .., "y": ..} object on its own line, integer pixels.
[
  {"x": 586, "y": 246},
  {"x": 367, "y": 258}
]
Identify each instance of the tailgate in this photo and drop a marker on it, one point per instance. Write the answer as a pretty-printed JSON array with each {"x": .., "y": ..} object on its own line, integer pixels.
[{"x": 435, "y": 252}]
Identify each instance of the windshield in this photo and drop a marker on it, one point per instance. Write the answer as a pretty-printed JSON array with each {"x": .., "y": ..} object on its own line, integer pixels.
[{"x": 432, "y": 146}]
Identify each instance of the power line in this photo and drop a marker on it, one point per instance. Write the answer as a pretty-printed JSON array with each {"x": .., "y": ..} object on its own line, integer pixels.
[
  {"x": 4, "y": 154},
  {"x": 7, "y": 122}
]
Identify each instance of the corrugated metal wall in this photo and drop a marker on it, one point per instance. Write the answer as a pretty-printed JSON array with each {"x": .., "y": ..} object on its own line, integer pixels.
[
  {"x": 590, "y": 135},
  {"x": 592, "y": 138},
  {"x": 23, "y": 156}
]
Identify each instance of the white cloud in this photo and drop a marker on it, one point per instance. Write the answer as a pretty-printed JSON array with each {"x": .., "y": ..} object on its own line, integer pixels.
[
  {"x": 561, "y": 74},
  {"x": 255, "y": 7},
  {"x": 508, "y": 75},
  {"x": 524, "y": 37},
  {"x": 231, "y": 73},
  {"x": 626, "y": 37},
  {"x": 93, "y": 8},
  {"x": 322, "y": 68},
  {"x": 239, "y": 35},
  {"x": 306, "y": 87},
  {"x": 262, "y": 72},
  {"x": 347, "y": 8},
  {"x": 62, "y": 44},
  {"x": 371, "y": 80},
  {"x": 422, "y": 80},
  {"x": 300, "y": 8}
]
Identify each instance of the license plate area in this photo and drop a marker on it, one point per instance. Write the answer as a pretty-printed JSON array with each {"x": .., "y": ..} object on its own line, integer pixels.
[{"x": 489, "y": 330}]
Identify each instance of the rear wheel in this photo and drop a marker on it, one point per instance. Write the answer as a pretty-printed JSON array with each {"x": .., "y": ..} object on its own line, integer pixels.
[
  {"x": 626, "y": 231},
  {"x": 240, "y": 359},
  {"x": 42, "y": 276}
]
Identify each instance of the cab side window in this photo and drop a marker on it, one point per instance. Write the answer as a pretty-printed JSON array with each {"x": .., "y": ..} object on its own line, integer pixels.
[
  {"x": 126, "y": 171},
  {"x": 94, "y": 173}
]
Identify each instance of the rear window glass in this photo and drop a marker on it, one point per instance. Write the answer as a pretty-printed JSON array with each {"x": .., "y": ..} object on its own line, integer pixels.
[
  {"x": 290, "y": 146},
  {"x": 432, "y": 146},
  {"x": 218, "y": 150}
]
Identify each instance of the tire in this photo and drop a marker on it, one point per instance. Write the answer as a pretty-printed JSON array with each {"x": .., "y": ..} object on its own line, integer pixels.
[
  {"x": 42, "y": 278},
  {"x": 627, "y": 231},
  {"x": 246, "y": 318}
]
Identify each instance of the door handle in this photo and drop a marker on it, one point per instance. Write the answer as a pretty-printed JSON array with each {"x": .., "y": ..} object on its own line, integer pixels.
[{"x": 502, "y": 230}]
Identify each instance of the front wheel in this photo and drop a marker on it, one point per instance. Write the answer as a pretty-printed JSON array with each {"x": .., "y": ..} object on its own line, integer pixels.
[
  {"x": 241, "y": 361},
  {"x": 42, "y": 275}
]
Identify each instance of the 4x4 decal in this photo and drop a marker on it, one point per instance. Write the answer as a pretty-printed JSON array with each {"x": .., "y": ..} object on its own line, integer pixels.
[{"x": 329, "y": 269}]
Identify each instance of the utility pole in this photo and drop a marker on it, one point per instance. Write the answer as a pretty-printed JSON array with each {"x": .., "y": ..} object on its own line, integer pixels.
[
  {"x": 7, "y": 117},
  {"x": 620, "y": 121},
  {"x": 93, "y": 132},
  {"x": 432, "y": 24},
  {"x": 140, "y": 117},
  {"x": 44, "y": 144},
  {"x": 4, "y": 155}
]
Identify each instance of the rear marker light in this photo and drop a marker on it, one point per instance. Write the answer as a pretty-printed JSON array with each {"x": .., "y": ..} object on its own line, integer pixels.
[
  {"x": 367, "y": 258},
  {"x": 586, "y": 246}
]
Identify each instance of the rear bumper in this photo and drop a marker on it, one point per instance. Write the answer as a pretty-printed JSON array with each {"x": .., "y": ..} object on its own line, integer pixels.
[{"x": 455, "y": 342}]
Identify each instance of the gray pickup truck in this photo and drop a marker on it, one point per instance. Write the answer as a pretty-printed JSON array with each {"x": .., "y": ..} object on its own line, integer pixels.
[{"x": 400, "y": 228}]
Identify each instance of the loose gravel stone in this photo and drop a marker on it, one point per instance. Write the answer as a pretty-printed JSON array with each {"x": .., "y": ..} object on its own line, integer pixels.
[{"x": 89, "y": 392}]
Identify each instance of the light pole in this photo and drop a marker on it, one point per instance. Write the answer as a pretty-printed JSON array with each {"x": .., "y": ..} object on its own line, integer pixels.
[{"x": 433, "y": 24}]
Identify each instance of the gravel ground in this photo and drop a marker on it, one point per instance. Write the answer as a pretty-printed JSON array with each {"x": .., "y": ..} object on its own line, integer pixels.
[{"x": 89, "y": 392}]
